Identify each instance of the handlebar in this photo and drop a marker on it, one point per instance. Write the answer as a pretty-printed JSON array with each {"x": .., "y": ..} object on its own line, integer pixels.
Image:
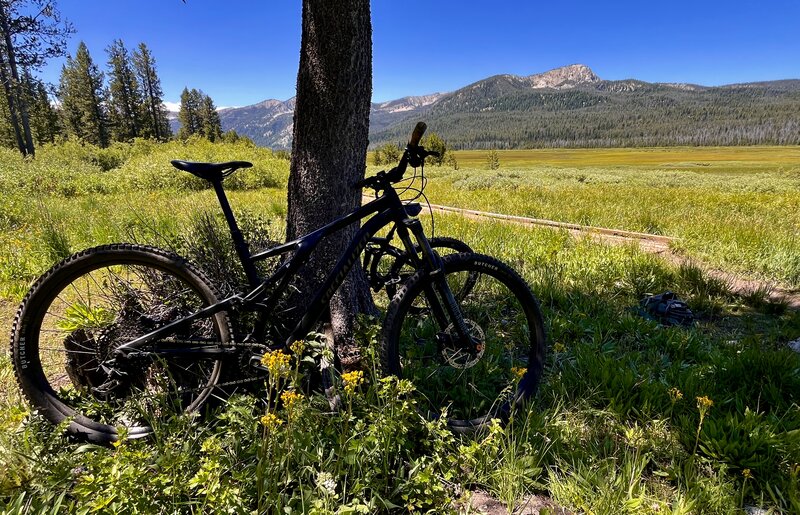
[
  {"x": 414, "y": 154},
  {"x": 419, "y": 130}
]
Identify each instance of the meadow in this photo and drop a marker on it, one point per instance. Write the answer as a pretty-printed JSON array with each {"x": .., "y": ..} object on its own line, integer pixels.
[
  {"x": 632, "y": 417},
  {"x": 735, "y": 209}
]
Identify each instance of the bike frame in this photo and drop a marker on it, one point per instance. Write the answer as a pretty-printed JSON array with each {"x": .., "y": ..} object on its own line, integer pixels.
[{"x": 387, "y": 209}]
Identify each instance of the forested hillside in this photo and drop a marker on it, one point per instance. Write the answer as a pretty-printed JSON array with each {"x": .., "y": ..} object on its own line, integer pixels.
[
  {"x": 566, "y": 107},
  {"x": 504, "y": 112}
]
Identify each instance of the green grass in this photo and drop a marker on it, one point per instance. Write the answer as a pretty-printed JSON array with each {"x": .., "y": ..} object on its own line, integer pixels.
[
  {"x": 737, "y": 209},
  {"x": 607, "y": 433},
  {"x": 745, "y": 159}
]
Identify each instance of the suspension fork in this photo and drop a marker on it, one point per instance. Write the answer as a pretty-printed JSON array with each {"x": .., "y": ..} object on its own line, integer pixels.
[{"x": 437, "y": 291}]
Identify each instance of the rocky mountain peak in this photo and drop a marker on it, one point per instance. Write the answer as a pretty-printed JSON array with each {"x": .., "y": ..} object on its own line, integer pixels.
[
  {"x": 564, "y": 77},
  {"x": 406, "y": 103}
]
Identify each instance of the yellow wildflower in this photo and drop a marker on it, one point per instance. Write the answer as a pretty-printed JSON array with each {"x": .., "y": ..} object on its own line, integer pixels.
[
  {"x": 271, "y": 421},
  {"x": 352, "y": 380},
  {"x": 277, "y": 363},
  {"x": 559, "y": 347},
  {"x": 747, "y": 474},
  {"x": 703, "y": 403},
  {"x": 675, "y": 394},
  {"x": 290, "y": 399},
  {"x": 518, "y": 372},
  {"x": 291, "y": 402},
  {"x": 298, "y": 347}
]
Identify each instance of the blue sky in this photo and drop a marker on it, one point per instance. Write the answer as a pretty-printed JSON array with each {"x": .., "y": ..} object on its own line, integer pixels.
[{"x": 241, "y": 52}]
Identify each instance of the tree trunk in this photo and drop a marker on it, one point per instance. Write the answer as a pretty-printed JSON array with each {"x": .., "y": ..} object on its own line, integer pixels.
[
  {"x": 27, "y": 148},
  {"x": 6, "y": 80},
  {"x": 152, "y": 107},
  {"x": 331, "y": 123}
]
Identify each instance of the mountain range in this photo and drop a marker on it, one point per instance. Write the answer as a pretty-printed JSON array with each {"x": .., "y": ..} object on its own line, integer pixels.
[{"x": 565, "y": 107}]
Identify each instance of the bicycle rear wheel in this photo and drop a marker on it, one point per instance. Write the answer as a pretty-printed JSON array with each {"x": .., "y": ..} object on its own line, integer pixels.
[
  {"x": 504, "y": 319},
  {"x": 82, "y": 309}
]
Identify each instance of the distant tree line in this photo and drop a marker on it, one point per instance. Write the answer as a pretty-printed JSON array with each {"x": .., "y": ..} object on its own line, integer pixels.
[
  {"x": 642, "y": 115},
  {"x": 86, "y": 106},
  {"x": 124, "y": 103},
  {"x": 31, "y": 32}
]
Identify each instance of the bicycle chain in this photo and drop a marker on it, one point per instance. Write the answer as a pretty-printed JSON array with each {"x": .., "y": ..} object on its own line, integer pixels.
[{"x": 234, "y": 382}]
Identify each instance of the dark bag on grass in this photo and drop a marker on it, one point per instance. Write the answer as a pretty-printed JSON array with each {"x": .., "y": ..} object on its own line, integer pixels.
[{"x": 667, "y": 309}]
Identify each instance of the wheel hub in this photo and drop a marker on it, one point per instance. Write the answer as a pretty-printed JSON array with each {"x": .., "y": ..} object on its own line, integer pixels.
[
  {"x": 91, "y": 363},
  {"x": 461, "y": 358}
]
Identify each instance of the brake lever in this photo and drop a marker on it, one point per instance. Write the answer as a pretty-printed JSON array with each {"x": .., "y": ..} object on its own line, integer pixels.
[{"x": 417, "y": 156}]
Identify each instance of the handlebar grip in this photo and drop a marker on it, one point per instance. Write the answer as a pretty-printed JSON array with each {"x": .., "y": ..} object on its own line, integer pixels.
[{"x": 419, "y": 130}]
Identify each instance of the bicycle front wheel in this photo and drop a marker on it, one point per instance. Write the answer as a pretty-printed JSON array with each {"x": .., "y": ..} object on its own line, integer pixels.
[
  {"x": 82, "y": 309},
  {"x": 505, "y": 322}
]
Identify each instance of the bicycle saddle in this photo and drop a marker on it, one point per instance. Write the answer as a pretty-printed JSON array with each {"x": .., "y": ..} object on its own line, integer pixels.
[{"x": 210, "y": 171}]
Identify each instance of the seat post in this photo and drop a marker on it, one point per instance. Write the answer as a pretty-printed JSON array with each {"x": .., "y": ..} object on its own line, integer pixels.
[{"x": 242, "y": 249}]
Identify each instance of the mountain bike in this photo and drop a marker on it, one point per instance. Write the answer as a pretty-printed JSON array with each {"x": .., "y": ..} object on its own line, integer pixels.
[{"x": 108, "y": 337}]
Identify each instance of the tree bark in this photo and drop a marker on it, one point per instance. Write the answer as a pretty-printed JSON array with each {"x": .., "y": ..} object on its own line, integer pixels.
[
  {"x": 153, "y": 108},
  {"x": 152, "y": 103},
  {"x": 6, "y": 80},
  {"x": 331, "y": 123},
  {"x": 27, "y": 148}
]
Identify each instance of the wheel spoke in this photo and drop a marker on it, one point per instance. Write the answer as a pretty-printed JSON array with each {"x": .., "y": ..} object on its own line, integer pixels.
[{"x": 498, "y": 312}]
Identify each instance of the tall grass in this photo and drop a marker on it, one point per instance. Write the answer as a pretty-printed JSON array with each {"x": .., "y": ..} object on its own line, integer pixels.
[
  {"x": 73, "y": 168},
  {"x": 741, "y": 217},
  {"x": 74, "y": 195},
  {"x": 615, "y": 428}
]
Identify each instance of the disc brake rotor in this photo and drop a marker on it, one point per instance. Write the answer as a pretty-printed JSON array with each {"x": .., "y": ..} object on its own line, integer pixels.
[{"x": 460, "y": 358}]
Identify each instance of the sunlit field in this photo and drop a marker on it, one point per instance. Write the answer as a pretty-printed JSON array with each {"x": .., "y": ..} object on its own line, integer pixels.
[
  {"x": 737, "y": 209},
  {"x": 632, "y": 417}
]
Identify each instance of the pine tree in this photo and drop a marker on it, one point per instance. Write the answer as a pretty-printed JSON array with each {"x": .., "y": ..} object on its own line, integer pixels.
[
  {"x": 435, "y": 143},
  {"x": 7, "y": 133},
  {"x": 12, "y": 104},
  {"x": 334, "y": 86},
  {"x": 125, "y": 96},
  {"x": 210, "y": 125},
  {"x": 189, "y": 113},
  {"x": 492, "y": 160},
  {"x": 231, "y": 136},
  {"x": 387, "y": 154},
  {"x": 31, "y": 31},
  {"x": 83, "y": 99},
  {"x": 198, "y": 116},
  {"x": 45, "y": 123},
  {"x": 156, "y": 124}
]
